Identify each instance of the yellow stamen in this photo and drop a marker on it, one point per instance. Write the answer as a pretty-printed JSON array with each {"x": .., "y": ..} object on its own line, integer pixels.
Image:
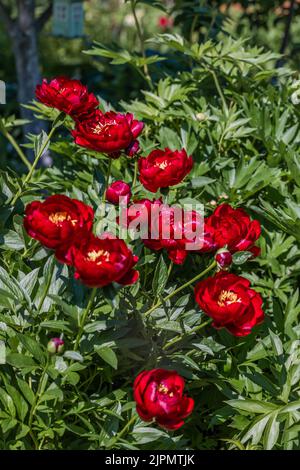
[
  {"x": 95, "y": 255},
  {"x": 227, "y": 297},
  {"x": 58, "y": 217},
  {"x": 162, "y": 165}
]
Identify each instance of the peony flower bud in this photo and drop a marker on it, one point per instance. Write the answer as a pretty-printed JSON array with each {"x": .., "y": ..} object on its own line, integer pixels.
[
  {"x": 201, "y": 117},
  {"x": 118, "y": 189},
  {"x": 223, "y": 258},
  {"x": 55, "y": 346}
]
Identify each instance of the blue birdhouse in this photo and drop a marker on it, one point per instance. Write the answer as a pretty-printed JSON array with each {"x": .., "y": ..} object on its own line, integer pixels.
[{"x": 68, "y": 18}]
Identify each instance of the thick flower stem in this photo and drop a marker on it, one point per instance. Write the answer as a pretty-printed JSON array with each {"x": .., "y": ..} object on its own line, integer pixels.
[
  {"x": 123, "y": 431},
  {"x": 179, "y": 289},
  {"x": 33, "y": 166},
  {"x": 142, "y": 41},
  {"x": 84, "y": 317}
]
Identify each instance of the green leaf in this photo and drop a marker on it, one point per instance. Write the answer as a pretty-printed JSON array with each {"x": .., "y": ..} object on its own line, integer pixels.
[
  {"x": 240, "y": 257},
  {"x": 109, "y": 356},
  {"x": 252, "y": 406},
  {"x": 271, "y": 433},
  {"x": 20, "y": 360},
  {"x": 160, "y": 276}
]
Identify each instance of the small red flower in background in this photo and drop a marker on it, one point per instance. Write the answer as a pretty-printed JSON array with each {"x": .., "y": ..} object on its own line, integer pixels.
[
  {"x": 109, "y": 133},
  {"x": 164, "y": 168},
  {"x": 159, "y": 395},
  {"x": 58, "y": 222},
  {"x": 69, "y": 96},
  {"x": 229, "y": 300},
  {"x": 234, "y": 228},
  {"x": 116, "y": 190},
  {"x": 101, "y": 261},
  {"x": 164, "y": 22}
]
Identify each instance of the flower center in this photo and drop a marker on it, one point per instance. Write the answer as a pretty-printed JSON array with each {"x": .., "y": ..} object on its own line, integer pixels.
[
  {"x": 162, "y": 165},
  {"x": 99, "y": 128},
  {"x": 227, "y": 297},
  {"x": 163, "y": 389},
  {"x": 95, "y": 255},
  {"x": 58, "y": 218}
]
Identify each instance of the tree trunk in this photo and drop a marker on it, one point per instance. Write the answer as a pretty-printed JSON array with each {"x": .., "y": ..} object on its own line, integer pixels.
[{"x": 24, "y": 39}]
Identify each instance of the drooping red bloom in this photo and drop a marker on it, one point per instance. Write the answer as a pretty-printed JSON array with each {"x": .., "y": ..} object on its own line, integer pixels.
[
  {"x": 164, "y": 168},
  {"x": 101, "y": 261},
  {"x": 229, "y": 300},
  {"x": 163, "y": 227},
  {"x": 58, "y": 223},
  {"x": 69, "y": 96},
  {"x": 118, "y": 189},
  {"x": 110, "y": 133},
  {"x": 159, "y": 396},
  {"x": 234, "y": 228}
]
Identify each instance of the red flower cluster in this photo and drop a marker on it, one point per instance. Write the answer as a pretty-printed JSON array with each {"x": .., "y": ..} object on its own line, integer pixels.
[
  {"x": 110, "y": 133},
  {"x": 159, "y": 396},
  {"x": 65, "y": 225},
  {"x": 230, "y": 301},
  {"x": 164, "y": 168}
]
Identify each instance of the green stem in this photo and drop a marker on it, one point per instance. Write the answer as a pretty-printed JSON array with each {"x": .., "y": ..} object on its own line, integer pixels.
[
  {"x": 179, "y": 337},
  {"x": 123, "y": 431},
  {"x": 33, "y": 166},
  {"x": 84, "y": 317},
  {"x": 179, "y": 289},
  {"x": 218, "y": 87},
  {"x": 17, "y": 148},
  {"x": 107, "y": 179},
  {"x": 135, "y": 173},
  {"x": 40, "y": 391},
  {"x": 142, "y": 41}
]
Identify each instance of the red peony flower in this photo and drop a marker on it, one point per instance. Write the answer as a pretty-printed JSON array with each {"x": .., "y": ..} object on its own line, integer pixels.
[
  {"x": 101, "y": 261},
  {"x": 234, "y": 228},
  {"x": 230, "y": 301},
  {"x": 163, "y": 227},
  {"x": 69, "y": 96},
  {"x": 159, "y": 396},
  {"x": 164, "y": 168},
  {"x": 58, "y": 222},
  {"x": 109, "y": 133},
  {"x": 118, "y": 189}
]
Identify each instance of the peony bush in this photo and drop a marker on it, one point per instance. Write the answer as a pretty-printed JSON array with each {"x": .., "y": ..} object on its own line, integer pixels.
[{"x": 188, "y": 339}]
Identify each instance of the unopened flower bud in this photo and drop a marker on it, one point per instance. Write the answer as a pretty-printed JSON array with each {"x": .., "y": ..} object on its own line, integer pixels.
[
  {"x": 118, "y": 189},
  {"x": 55, "y": 346},
  {"x": 201, "y": 116},
  {"x": 223, "y": 258}
]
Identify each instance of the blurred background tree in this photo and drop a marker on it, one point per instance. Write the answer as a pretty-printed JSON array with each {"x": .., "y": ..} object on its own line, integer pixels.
[{"x": 29, "y": 50}]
